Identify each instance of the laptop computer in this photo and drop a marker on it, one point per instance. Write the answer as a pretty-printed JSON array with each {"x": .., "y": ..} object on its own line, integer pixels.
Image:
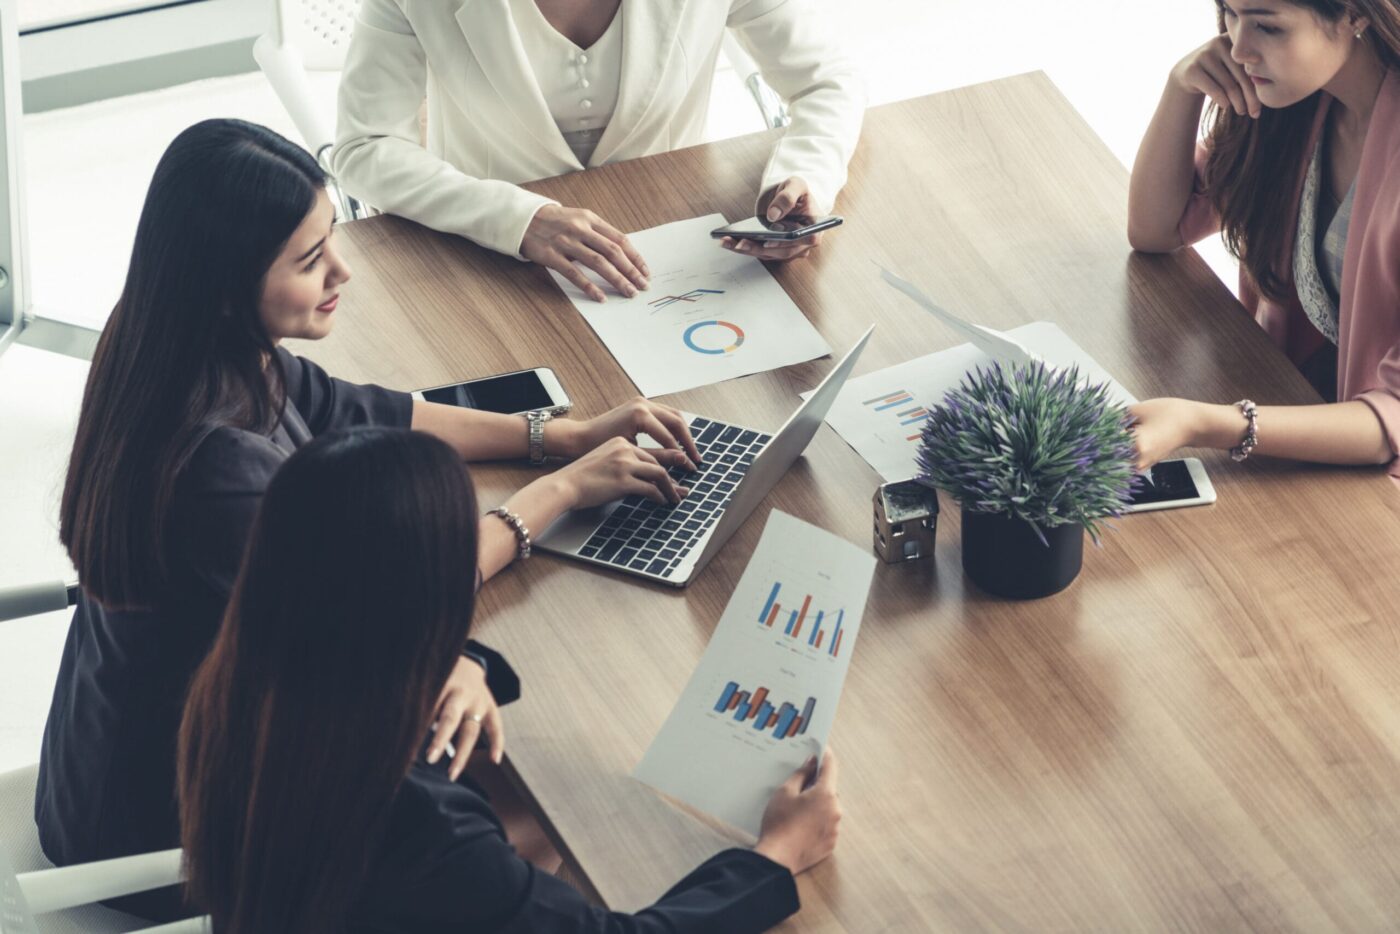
[{"x": 671, "y": 544}]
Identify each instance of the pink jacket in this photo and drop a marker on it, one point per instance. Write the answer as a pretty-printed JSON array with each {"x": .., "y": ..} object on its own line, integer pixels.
[{"x": 1368, "y": 334}]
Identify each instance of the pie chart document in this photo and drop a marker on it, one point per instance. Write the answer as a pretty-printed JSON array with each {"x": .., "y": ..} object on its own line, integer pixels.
[{"x": 710, "y": 315}]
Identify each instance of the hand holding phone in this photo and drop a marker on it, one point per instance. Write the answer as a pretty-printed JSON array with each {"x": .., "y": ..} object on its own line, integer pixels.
[
  {"x": 785, "y": 230},
  {"x": 786, "y": 226}
]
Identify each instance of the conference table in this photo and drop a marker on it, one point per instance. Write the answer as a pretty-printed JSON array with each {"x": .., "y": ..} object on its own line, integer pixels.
[{"x": 1199, "y": 733}]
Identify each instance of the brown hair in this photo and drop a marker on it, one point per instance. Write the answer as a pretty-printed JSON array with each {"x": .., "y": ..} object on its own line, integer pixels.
[
  {"x": 353, "y": 604},
  {"x": 1249, "y": 160}
]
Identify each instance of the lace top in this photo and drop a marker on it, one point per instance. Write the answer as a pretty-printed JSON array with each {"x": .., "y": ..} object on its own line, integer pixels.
[{"x": 1317, "y": 261}]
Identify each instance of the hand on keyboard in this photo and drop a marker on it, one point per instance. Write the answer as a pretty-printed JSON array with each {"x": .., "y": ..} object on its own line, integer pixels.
[
  {"x": 654, "y": 535},
  {"x": 618, "y": 468},
  {"x": 663, "y": 424}
]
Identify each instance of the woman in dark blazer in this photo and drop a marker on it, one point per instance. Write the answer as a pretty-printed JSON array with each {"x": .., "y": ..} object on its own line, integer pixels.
[
  {"x": 191, "y": 406},
  {"x": 306, "y": 803}
]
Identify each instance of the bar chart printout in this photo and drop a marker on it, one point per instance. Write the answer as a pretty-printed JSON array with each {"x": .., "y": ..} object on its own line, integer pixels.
[
  {"x": 756, "y": 709},
  {"x": 798, "y": 618},
  {"x": 884, "y": 424},
  {"x": 764, "y": 696},
  {"x": 909, "y": 414}
]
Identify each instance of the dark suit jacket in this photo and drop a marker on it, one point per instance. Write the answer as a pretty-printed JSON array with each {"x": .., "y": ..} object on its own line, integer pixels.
[{"x": 445, "y": 866}]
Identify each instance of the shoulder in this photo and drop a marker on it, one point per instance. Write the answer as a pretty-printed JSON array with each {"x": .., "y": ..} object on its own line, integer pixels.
[
  {"x": 432, "y": 809},
  {"x": 232, "y": 460},
  {"x": 442, "y": 836}
]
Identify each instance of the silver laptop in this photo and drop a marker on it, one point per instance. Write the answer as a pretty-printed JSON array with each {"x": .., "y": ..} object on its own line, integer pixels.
[{"x": 672, "y": 544}]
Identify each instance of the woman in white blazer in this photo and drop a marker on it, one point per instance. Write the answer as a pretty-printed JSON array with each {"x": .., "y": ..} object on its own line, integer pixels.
[{"x": 526, "y": 89}]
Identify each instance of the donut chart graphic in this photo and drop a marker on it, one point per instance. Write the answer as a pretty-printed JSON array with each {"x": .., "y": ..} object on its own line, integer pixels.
[{"x": 690, "y": 332}]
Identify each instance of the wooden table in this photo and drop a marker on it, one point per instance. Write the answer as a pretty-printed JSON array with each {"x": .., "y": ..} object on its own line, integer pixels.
[{"x": 1200, "y": 733}]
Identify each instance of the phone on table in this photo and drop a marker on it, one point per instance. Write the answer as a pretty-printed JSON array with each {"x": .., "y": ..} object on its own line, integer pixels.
[
  {"x": 532, "y": 390},
  {"x": 788, "y": 228},
  {"x": 1174, "y": 483}
]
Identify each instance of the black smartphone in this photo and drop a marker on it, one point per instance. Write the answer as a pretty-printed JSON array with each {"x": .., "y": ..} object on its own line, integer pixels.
[
  {"x": 1173, "y": 484},
  {"x": 789, "y": 228},
  {"x": 530, "y": 390}
]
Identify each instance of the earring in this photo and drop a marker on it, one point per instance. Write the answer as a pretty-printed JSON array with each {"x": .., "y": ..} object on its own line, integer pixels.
[{"x": 1358, "y": 33}]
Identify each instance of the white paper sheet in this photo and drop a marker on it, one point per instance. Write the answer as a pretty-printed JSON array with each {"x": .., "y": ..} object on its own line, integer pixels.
[
  {"x": 709, "y": 315},
  {"x": 784, "y": 642},
  {"x": 881, "y": 414}
]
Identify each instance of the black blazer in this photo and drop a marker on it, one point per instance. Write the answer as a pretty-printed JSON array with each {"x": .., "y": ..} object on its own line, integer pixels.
[
  {"x": 107, "y": 768},
  {"x": 444, "y": 867}
]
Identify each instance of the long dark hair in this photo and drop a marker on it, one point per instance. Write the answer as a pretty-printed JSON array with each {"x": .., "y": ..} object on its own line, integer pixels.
[
  {"x": 352, "y": 606},
  {"x": 184, "y": 347},
  {"x": 1250, "y": 159}
]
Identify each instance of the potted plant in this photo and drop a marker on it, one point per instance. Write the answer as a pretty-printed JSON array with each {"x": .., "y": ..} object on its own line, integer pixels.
[{"x": 1034, "y": 459}]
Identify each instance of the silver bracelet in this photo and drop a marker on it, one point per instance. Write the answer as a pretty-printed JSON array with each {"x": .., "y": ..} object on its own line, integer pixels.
[
  {"x": 522, "y": 534},
  {"x": 1251, "y": 435},
  {"x": 535, "y": 421}
]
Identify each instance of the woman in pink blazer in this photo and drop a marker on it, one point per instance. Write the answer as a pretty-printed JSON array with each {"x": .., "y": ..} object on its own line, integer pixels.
[{"x": 1300, "y": 171}]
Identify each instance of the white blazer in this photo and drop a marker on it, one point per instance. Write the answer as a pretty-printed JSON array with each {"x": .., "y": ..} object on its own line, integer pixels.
[{"x": 489, "y": 127}]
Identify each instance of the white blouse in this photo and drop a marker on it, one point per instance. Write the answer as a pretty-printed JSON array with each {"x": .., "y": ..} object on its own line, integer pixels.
[{"x": 580, "y": 86}]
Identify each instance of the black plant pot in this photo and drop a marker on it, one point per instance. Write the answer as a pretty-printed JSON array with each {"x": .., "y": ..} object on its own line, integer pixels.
[{"x": 1005, "y": 557}]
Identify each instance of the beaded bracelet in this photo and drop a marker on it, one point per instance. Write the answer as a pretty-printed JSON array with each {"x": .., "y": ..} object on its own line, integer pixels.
[
  {"x": 1251, "y": 435},
  {"x": 522, "y": 534}
]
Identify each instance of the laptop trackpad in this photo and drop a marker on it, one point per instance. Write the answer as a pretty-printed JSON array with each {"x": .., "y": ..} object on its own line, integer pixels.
[{"x": 568, "y": 533}]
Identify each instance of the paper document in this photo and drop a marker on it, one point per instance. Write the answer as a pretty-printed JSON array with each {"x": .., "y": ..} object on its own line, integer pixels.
[
  {"x": 764, "y": 695},
  {"x": 882, "y": 414},
  {"x": 993, "y": 343},
  {"x": 709, "y": 315}
]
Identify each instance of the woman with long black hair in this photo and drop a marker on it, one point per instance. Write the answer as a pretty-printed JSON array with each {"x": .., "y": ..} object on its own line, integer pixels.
[
  {"x": 306, "y": 804},
  {"x": 1300, "y": 171},
  {"x": 191, "y": 406}
]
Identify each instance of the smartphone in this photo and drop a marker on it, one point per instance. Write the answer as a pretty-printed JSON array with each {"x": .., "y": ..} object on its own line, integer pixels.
[
  {"x": 1174, "y": 483},
  {"x": 531, "y": 390},
  {"x": 789, "y": 228}
]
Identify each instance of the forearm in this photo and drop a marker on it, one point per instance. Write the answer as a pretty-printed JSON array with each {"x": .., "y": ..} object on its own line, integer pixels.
[
  {"x": 1339, "y": 433},
  {"x": 1164, "y": 172},
  {"x": 537, "y": 505},
  {"x": 483, "y": 436},
  {"x": 808, "y": 66}
]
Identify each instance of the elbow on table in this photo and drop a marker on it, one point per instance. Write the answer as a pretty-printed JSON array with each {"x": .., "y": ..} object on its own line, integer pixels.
[{"x": 1145, "y": 239}]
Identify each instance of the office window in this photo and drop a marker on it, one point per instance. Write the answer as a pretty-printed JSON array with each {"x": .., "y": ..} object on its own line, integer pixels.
[
  {"x": 44, "y": 14},
  {"x": 13, "y": 285}
]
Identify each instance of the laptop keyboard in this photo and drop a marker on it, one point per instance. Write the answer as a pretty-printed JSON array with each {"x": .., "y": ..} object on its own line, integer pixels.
[{"x": 644, "y": 535}]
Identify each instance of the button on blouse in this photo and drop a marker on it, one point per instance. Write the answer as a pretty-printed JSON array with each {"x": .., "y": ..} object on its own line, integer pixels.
[{"x": 579, "y": 86}]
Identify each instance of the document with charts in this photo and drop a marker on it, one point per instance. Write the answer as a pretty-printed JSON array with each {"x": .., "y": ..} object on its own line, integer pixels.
[
  {"x": 882, "y": 414},
  {"x": 709, "y": 314},
  {"x": 763, "y": 698}
]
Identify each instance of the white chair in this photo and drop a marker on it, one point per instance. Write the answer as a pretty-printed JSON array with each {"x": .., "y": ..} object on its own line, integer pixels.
[
  {"x": 33, "y": 599},
  {"x": 770, "y": 105},
  {"x": 314, "y": 36},
  {"x": 63, "y": 898},
  {"x": 29, "y": 884},
  {"x": 309, "y": 36}
]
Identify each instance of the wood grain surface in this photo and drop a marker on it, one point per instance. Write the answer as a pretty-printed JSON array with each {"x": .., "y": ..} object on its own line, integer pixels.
[{"x": 1199, "y": 734}]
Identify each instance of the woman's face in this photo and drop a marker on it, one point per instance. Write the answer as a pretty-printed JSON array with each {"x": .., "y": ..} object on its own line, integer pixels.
[
  {"x": 1289, "y": 52},
  {"x": 301, "y": 289}
]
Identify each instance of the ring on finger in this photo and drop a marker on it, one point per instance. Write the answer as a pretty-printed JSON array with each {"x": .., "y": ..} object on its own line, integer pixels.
[{"x": 476, "y": 717}]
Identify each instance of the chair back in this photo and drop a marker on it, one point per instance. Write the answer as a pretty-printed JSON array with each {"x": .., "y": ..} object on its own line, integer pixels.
[
  {"x": 33, "y": 599},
  {"x": 63, "y": 899},
  {"x": 319, "y": 30}
]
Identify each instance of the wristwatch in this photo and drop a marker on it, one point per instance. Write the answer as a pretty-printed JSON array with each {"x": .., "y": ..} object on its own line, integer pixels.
[{"x": 536, "y": 421}]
